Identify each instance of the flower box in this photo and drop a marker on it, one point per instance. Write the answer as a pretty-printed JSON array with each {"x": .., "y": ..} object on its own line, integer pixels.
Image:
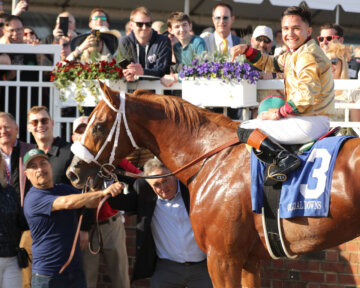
[
  {"x": 68, "y": 93},
  {"x": 217, "y": 93}
]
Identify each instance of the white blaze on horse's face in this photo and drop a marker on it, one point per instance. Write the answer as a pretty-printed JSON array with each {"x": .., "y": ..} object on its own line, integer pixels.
[{"x": 83, "y": 153}]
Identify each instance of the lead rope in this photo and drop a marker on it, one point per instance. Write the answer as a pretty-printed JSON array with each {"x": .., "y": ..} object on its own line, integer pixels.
[
  {"x": 73, "y": 248},
  {"x": 106, "y": 174}
]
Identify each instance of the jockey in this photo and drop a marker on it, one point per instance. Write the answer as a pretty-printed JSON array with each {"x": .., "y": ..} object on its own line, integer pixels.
[{"x": 309, "y": 94}]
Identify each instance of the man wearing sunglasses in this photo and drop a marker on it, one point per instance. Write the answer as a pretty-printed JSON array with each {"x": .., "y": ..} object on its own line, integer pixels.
[
  {"x": 98, "y": 18},
  {"x": 330, "y": 33},
  {"x": 222, "y": 39},
  {"x": 14, "y": 34},
  {"x": 309, "y": 95},
  {"x": 41, "y": 127},
  {"x": 262, "y": 39},
  {"x": 103, "y": 44},
  {"x": 148, "y": 52}
]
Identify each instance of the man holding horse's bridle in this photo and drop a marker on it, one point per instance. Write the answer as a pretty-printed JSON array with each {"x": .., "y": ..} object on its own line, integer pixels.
[{"x": 309, "y": 95}]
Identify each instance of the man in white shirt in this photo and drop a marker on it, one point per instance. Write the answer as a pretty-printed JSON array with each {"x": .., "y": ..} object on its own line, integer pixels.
[
  {"x": 221, "y": 40},
  {"x": 166, "y": 249}
]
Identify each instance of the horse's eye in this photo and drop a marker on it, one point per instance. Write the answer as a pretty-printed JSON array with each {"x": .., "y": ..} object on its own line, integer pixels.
[{"x": 98, "y": 128}]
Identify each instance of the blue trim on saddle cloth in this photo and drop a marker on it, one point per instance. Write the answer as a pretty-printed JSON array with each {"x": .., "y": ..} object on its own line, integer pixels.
[{"x": 313, "y": 178}]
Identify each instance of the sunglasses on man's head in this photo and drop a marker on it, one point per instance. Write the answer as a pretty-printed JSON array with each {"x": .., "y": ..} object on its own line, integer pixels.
[
  {"x": 263, "y": 38},
  {"x": 141, "y": 24},
  {"x": 43, "y": 121},
  {"x": 225, "y": 18},
  {"x": 334, "y": 61},
  {"x": 328, "y": 38},
  {"x": 103, "y": 18}
]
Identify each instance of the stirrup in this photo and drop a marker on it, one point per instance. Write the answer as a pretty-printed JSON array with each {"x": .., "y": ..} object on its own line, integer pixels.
[{"x": 271, "y": 180}]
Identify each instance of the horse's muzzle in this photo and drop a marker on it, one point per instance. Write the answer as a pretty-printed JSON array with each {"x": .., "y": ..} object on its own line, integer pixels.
[{"x": 78, "y": 171}]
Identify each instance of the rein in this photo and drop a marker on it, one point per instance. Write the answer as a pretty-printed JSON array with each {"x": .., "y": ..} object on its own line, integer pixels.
[
  {"x": 191, "y": 163},
  {"x": 106, "y": 175},
  {"x": 72, "y": 251},
  {"x": 83, "y": 153}
]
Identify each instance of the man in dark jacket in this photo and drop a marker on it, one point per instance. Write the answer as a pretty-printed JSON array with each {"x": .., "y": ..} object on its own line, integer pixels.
[
  {"x": 148, "y": 52},
  {"x": 162, "y": 208}
]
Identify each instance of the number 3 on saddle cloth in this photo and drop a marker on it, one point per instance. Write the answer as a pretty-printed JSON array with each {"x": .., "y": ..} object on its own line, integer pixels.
[{"x": 306, "y": 192}]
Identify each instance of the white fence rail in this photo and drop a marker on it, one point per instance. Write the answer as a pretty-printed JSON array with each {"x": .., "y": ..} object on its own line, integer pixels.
[
  {"x": 31, "y": 84},
  {"x": 18, "y": 96}
]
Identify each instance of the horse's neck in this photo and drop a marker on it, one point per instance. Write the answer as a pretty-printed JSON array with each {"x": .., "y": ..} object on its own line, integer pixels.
[{"x": 176, "y": 147}]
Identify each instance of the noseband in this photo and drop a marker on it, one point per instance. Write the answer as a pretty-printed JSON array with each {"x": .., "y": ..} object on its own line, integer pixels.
[{"x": 84, "y": 154}]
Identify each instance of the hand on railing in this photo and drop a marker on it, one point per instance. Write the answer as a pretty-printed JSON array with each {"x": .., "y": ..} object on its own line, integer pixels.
[
  {"x": 169, "y": 80},
  {"x": 133, "y": 70}
]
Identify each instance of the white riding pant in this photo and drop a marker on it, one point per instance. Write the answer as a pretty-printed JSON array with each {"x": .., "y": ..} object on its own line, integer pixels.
[{"x": 291, "y": 130}]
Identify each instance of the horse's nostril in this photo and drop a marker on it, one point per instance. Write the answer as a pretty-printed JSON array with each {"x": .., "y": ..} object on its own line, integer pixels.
[{"x": 72, "y": 176}]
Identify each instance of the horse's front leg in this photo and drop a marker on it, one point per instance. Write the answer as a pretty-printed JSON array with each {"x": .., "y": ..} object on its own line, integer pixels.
[
  {"x": 250, "y": 277},
  {"x": 225, "y": 271}
]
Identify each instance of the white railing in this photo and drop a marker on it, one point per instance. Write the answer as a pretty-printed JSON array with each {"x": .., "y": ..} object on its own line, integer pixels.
[{"x": 18, "y": 96}]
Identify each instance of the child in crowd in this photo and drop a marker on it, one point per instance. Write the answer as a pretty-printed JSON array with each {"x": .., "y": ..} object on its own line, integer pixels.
[{"x": 179, "y": 24}]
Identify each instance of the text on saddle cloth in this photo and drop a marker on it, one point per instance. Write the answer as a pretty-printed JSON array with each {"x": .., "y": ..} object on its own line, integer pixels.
[{"x": 306, "y": 192}]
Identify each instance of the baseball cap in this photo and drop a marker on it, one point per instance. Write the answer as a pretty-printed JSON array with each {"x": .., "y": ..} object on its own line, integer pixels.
[
  {"x": 33, "y": 153},
  {"x": 263, "y": 31},
  {"x": 83, "y": 120}
]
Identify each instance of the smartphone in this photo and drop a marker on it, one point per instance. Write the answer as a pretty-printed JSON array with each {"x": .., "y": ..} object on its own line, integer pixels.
[
  {"x": 64, "y": 25},
  {"x": 124, "y": 63}
]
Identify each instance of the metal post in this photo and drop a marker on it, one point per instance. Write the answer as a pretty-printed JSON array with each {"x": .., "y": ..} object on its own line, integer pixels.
[
  {"x": 187, "y": 7},
  {"x": 337, "y": 19}
]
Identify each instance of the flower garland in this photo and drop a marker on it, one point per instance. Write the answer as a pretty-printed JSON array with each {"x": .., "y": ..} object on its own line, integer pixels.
[{"x": 77, "y": 72}]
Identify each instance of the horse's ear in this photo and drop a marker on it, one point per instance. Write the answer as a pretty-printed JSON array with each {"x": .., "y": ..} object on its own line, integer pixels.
[{"x": 110, "y": 94}]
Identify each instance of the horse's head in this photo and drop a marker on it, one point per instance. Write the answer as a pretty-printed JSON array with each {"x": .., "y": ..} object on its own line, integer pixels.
[{"x": 106, "y": 140}]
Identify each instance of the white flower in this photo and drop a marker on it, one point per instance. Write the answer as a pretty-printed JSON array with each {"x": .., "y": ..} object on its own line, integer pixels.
[{"x": 152, "y": 58}]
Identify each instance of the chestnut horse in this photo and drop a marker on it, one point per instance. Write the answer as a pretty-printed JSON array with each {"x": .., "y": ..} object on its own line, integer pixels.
[{"x": 224, "y": 225}]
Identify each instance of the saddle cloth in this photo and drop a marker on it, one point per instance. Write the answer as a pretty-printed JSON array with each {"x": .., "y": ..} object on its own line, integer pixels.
[{"x": 306, "y": 192}]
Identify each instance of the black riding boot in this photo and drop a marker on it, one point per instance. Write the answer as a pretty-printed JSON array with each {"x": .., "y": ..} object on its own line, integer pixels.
[{"x": 284, "y": 161}]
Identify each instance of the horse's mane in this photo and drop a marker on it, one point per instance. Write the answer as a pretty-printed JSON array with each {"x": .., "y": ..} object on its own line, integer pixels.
[{"x": 183, "y": 113}]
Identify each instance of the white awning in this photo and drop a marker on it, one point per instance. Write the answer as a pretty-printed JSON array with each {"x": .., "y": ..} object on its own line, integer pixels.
[{"x": 347, "y": 5}]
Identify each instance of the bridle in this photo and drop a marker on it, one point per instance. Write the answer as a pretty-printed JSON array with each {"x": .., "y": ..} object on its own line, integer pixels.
[{"x": 84, "y": 154}]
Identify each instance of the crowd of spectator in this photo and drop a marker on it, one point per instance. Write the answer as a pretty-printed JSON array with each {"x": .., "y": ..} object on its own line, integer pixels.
[{"x": 149, "y": 49}]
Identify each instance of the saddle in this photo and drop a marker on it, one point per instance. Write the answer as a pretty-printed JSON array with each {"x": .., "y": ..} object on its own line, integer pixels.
[
  {"x": 295, "y": 148},
  {"x": 270, "y": 211}
]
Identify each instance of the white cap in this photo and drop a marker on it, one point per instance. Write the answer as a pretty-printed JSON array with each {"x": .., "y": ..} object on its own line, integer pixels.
[
  {"x": 263, "y": 31},
  {"x": 80, "y": 121}
]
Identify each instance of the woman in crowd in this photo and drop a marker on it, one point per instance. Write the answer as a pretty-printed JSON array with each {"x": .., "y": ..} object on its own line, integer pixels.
[
  {"x": 11, "y": 223},
  {"x": 30, "y": 36}
]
